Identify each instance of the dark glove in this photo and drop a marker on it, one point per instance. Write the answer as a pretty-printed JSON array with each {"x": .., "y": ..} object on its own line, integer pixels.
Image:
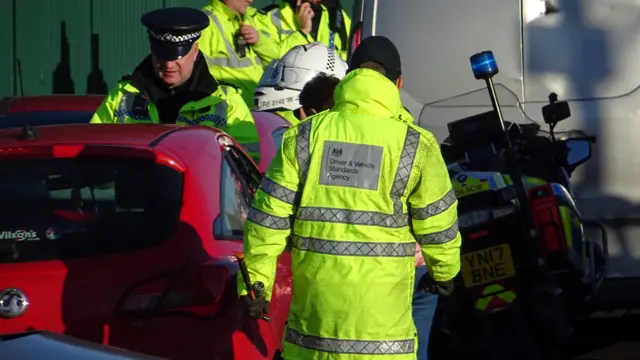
[
  {"x": 255, "y": 308},
  {"x": 443, "y": 288}
]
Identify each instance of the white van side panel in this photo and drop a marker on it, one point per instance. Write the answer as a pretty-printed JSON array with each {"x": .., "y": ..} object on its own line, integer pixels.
[
  {"x": 436, "y": 39},
  {"x": 588, "y": 52}
]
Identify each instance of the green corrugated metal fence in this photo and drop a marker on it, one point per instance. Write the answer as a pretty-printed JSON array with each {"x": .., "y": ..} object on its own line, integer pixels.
[{"x": 77, "y": 46}]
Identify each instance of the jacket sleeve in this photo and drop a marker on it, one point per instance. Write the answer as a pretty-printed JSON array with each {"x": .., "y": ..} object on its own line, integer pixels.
[
  {"x": 208, "y": 41},
  {"x": 269, "y": 222},
  {"x": 285, "y": 41},
  {"x": 294, "y": 39},
  {"x": 347, "y": 23},
  {"x": 106, "y": 111},
  {"x": 267, "y": 48},
  {"x": 240, "y": 124},
  {"x": 434, "y": 214}
]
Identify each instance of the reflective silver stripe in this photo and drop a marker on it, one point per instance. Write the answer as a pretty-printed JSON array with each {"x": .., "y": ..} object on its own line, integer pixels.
[
  {"x": 251, "y": 147},
  {"x": 266, "y": 34},
  {"x": 125, "y": 107},
  {"x": 277, "y": 191},
  {"x": 435, "y": 208},
  {"x": 226, "y": 62},
  {"x": 354, "y": 217},
  {"x": 266, "y": 220},
  {"x": 396, "y": 220},
  {"x": 233, "y": 60},
  {"x": 350, "y": 346},
  {"x": 277, "y": 22},
  {"x": 219, "y": 118},
  {"x": 440, "y": 237},
  {"x": 409, "y": 149},
  {"x": 303, "y": 154},
  {"x": 354, "y": 248}
]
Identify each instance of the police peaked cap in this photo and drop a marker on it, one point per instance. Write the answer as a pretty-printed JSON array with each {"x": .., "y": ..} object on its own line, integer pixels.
[{"x": 172, "y": 31}]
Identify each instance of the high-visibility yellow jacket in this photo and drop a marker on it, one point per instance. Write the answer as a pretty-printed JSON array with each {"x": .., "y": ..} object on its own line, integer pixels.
[
  {"x": 280, "y": 21},
  {"x": 218, "y": 44},
  {"x": 405, "y": 116},
  {"x": 289, "y": 116},
  {"x": 353, "y": 189},
  {"x": 225, "y": 110}
]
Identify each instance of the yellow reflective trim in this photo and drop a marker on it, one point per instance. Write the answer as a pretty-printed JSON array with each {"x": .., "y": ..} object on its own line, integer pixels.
[
  {"x": 482, "y": 303},
  {"x": 508, "y": 296},
  {"x": 491, "y": 289},
  {"x": 566, "y": 214},
  {"x": 498, "y": 291},
  {"x": 531, "y": 181},
  {"x": 470, "y": 185}
]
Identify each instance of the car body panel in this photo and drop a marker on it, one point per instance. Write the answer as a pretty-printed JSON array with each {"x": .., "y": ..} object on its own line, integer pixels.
[
  {"x": 270, "y": 128},
  {"x": 78, "y": 109},
  {"x": 82, "y": 296},
  {"x": 585, "y": 51},
  {"x": 53, "y": 346}
]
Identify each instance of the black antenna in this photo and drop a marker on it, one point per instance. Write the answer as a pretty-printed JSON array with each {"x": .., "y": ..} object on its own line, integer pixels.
[{"x": 28, "y": 133}]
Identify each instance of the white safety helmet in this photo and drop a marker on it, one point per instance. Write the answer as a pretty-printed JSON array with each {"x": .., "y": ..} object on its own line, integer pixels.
[{"x": 283, "y": 79}]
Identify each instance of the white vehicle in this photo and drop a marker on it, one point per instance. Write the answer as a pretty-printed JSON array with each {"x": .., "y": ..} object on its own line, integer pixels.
[{"x": 586, "y": 51}]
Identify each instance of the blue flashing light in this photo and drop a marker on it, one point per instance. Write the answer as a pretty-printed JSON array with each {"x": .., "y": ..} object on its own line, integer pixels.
[{"x": 484, "y": 65}]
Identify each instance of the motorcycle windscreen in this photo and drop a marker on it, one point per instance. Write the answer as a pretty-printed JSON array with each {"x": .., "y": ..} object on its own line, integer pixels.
[{"x": 436, "y": 115}]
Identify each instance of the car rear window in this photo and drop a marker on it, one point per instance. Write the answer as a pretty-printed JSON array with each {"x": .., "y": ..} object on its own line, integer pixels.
[{"x": 69, "y": 208}]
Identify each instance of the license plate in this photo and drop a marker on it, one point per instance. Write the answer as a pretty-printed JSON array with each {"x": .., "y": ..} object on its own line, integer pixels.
[{"x": 487, "y": 265}]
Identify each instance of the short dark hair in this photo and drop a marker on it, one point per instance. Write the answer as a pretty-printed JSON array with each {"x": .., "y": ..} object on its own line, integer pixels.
[{"x": 317, "y": 94}]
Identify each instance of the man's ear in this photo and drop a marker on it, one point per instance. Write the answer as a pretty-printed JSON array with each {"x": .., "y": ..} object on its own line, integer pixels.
[
  {"x": 194, "y": 48},
  {"x": 303, "y": 114},
  {"x": 313, "y": 111},
  {"x": 399, "y": 82}
]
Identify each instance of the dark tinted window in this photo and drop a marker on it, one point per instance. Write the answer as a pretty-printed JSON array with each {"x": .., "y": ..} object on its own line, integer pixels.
[
  {"x": 239, "y": 180},
  {"x": 233, "y": 205},
  {"x": 38, "y": 118},
  {"x": 68, "y": 208}
]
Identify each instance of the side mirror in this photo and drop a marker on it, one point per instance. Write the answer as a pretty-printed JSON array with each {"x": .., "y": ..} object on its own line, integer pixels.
[
  {"x": 578, "y": 151},
  {"x": 555, "y": 111}
]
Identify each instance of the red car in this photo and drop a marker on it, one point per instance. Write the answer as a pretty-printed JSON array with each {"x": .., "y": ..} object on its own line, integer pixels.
[
  {"x": 78, "y": 109},
  {"x": 270, "y": 127},
  {"x": 125, "y": 235}
]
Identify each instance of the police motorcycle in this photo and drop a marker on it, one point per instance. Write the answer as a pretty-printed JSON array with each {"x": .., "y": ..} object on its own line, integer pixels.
[{"x": 528, "y": 272}]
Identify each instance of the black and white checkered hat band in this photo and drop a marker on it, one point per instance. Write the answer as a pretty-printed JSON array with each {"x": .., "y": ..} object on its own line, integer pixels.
[{"x": 173, "y": 38}]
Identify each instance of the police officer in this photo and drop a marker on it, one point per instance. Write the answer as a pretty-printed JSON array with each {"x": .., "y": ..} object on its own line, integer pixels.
[
  {"x": 282, "y": 82},
  {"x": 297, "y": 22},
  {"x": 173, "y": 84},
  {"x": 353, "y": 189},
  {"x": 236, "y": 51},
  {"x": 378, "y": 53}
]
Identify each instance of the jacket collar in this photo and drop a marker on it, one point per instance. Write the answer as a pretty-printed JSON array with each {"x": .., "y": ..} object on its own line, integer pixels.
[
  {"x": 221, "y": 8},
  {"x": 366, "y": 91}
]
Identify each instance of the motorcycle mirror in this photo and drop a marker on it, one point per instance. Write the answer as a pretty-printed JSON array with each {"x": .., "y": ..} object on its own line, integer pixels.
[
  {"x": 555, "y": 111},
  {"x": 579, "y": 151}
]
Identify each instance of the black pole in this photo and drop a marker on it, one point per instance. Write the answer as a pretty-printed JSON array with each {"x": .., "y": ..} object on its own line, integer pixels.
[
  {"x": 517, "y": 179},
  {"x": 15, "y": 47}
]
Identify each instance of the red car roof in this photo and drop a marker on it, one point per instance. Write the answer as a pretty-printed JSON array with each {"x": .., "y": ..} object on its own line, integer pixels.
[
  {"x": 108, "y": 134},
  {"x": 51, "y": 103}
]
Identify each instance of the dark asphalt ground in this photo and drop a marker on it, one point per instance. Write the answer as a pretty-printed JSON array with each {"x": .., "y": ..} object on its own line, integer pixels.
[
  {"x": 614, "y": 337},
  {"x": 604, "y": 336}
]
